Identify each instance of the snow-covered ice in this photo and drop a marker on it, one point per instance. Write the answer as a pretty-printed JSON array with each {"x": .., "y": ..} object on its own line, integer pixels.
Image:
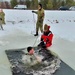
[{"x": 19, "y": 29}]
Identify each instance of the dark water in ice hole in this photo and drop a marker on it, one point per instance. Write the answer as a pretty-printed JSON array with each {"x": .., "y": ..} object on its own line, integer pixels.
[{"x": 15, "y": 58}]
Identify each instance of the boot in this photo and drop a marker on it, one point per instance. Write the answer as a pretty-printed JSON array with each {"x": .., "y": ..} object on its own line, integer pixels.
[{"x": 36, "y": 34}]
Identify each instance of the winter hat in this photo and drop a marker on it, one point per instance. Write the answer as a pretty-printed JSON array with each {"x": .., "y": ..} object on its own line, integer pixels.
[{"x": 48, "y": 27}]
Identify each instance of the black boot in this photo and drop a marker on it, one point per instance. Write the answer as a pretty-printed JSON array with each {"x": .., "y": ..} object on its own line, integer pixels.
[{"x": 36, "y": 34}]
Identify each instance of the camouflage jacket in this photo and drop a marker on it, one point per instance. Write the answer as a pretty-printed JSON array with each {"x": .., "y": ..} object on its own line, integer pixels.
[{"x": 40, "y": 14}]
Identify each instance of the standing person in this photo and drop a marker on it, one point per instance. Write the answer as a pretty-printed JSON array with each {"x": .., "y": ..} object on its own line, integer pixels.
[
  {"x": 40, "y": 18},
  {"x": 1, "y": 24},
  {"x": 2, "y": 15}
]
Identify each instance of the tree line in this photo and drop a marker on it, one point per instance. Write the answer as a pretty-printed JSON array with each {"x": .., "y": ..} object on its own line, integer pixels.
[{"x": 47, "y": 4}]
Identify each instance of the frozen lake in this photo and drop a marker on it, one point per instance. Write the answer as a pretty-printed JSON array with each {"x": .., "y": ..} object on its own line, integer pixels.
[{"x": 20, "y": 24}]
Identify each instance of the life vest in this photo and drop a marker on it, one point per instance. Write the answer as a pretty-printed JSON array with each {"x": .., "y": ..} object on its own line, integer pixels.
[{"x": 47, "y": 38}]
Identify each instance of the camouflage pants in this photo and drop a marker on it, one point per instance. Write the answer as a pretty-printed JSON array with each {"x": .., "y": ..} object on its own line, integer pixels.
[
  {"x": 39, "y": 25},
  {"x": 1, "y": 24},
  {"x": 3, "y": 20}
]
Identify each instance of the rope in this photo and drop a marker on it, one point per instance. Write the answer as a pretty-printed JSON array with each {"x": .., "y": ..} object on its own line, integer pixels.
[
  {"x": 35, "y": 41},
  {"x": 34, "y": 29}
]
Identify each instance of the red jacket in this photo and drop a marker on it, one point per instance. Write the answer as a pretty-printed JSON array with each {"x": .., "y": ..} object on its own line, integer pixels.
[{"x": 47, "y": 37}]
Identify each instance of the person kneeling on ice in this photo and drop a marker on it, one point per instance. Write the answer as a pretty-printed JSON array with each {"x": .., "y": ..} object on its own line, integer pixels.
[{"x": 46, "y": 38}]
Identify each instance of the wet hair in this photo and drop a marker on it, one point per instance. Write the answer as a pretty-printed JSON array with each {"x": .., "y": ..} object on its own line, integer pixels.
[
  {"x": 29, "y": 48},
  {"x": 40, "y": 5}
]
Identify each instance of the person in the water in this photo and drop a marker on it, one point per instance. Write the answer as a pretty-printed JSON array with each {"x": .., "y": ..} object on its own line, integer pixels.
[
  {"x": 32, "y": 53},
  {"x": 46, "y": 54}
]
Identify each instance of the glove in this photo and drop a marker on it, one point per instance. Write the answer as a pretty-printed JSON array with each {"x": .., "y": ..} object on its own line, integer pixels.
[
  {"x": 42, "y": 44},
  {"x": 41, "y": 39},
  {"x": 33, "y": 11}
]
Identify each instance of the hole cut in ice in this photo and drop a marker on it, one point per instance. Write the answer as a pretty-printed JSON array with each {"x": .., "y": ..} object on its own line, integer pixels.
[{"x": 21, "y": 62}]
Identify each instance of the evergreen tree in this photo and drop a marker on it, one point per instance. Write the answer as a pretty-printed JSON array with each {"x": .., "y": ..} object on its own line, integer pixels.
[
  {"x": 28, "y": 3},
  {"x": 44, "y": 3},
  {"x": 62, "y": 3},
  {"x": 54, "y": 4},
  {"x": 34, "y": 4},
  {"x": 49, "y": 5},
  {"x": 13, "y": 3},
  {"x": 59, "y": 4},
  {"x": 70, "y": 3}
]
